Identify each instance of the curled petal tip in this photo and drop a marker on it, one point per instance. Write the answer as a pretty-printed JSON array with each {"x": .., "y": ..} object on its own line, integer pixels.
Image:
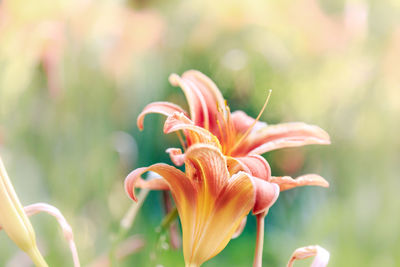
[
  {"x": 325, "y": 140},
  {"x": 154, "y": 182},
  {"x": 174, "y": 79},
  {"x": 176, "y": 156},
  {"x": 129, "y": 185},
  {"x": 164, "y": 108},
  {"x": 321, "y": 256},
  {"x": 139, "y": 122},
  {"x": 175, "y": 119}
]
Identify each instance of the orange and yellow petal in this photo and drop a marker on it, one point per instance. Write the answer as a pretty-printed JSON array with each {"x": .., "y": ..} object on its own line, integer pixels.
[
  {"x": 240, "y": 229},
  {"x": 180, "y": 186},
  {"x": 234, "y": 166},
  {"x": 194, "y": 134},
  {"x": 217, "y": 219},
  {"x": 206, "y": 165}
]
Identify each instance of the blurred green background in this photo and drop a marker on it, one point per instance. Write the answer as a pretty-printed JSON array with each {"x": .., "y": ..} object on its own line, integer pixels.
[{"x": 74, "y": 75}]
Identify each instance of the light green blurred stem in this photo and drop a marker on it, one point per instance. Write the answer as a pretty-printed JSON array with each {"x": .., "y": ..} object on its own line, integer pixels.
[
  {"x": 191, "y": 265},
  {"x": 37, "y": 257},
  {"x": 126, "y": 223},
  {"x": 169, "y": 219},
  {"x": 129, "y": 218}
]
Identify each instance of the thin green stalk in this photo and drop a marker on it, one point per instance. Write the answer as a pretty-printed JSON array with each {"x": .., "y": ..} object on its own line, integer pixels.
[{"x": 126, "y": 223}]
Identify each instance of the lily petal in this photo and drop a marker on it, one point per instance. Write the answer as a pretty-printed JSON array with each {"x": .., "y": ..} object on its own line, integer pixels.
[
  {"x": 321, "y": 256},
  {"x": 281, "y": 136},
  {"x": 242, "y": 122},
  {"x": 215, "y": 103},
  {"x": 152, "y": 184},
  {"x": 218, "y": 221},
  {"x": 66, "y": 228},
  {"x": 267, "y": 192},
  {"x": 180, "y": 186},
  {"x": 195, "y": 99},
  {"x": 240, "y": 229},
  {"x": 266, "y": 195},
  {"x": 176, "y": 156},
  {"x": 194, "y": 134},
  {"x": 184, "y": 194},
  {"x": 257, "y": 165},
  {"x": 234, "y": 166},
  {"x": 287, "y": 182},
  {"x": 207, "y": 165},
  {"x": 164, "y": 108},
  {"x": 208, "y": 88}
]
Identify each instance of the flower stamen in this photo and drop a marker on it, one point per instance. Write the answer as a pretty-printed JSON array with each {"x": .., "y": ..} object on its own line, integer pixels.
[
  {"x": 221, "y": 134},
  {"x": 183, "y": 144},
  {"x": 248, "y": 131}
]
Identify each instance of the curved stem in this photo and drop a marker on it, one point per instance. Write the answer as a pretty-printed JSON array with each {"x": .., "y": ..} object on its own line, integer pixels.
[{"x": 260, "y": 240}]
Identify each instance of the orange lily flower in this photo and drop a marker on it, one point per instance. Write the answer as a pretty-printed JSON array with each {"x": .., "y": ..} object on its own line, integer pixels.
[
  {"x": 211, "y": 202},
  {"x": 240, "y": 138},
  {"x": 236, "y": 134}
]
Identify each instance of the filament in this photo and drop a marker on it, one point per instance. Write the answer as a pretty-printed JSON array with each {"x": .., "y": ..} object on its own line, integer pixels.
[
  {"x": 178, "y": 133},
  {"x": 254, "y": 123}
]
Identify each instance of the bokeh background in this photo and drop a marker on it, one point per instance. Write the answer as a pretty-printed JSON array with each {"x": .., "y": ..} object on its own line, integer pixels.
[{"x": 75, "y": 74}]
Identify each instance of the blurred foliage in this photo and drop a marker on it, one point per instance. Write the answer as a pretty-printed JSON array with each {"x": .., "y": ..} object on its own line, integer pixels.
[{"x": 75, "y": 74}]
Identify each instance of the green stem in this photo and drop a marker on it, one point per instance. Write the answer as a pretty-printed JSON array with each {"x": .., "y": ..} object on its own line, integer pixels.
[
  {"x": 126, "y": 223},
  {"x": 168, "y": 220}
]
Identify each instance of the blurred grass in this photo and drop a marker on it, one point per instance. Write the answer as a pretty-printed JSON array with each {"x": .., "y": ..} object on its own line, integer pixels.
[{"x": 326, "y": 63}]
